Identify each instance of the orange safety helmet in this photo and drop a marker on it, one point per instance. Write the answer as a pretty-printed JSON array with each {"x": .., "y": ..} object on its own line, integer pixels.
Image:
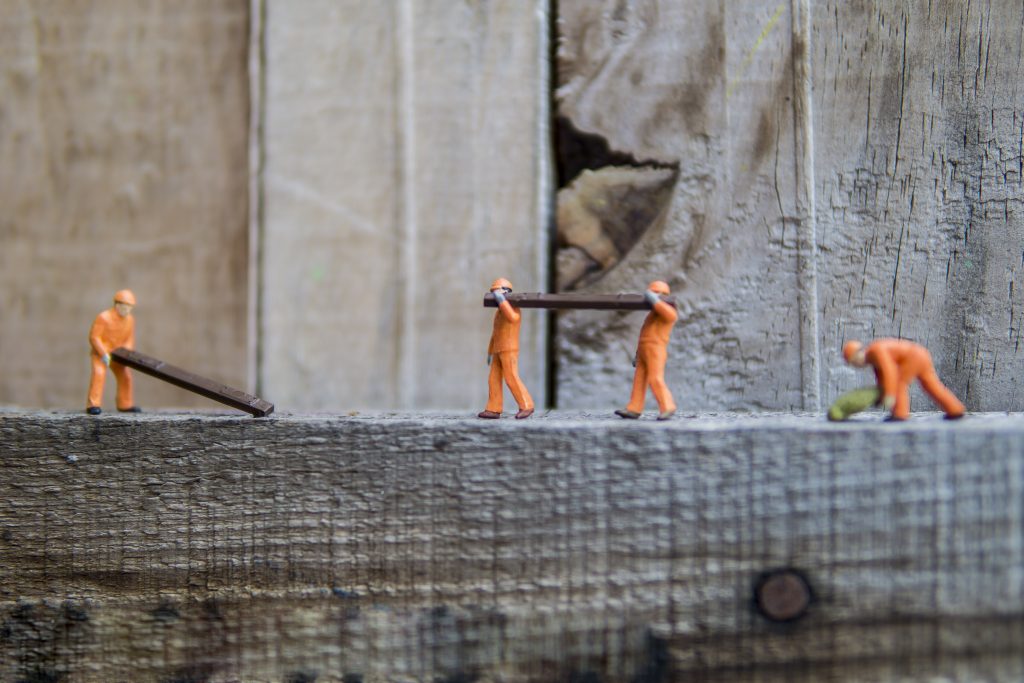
[
  {"x": 125, "y": 296},
  {"x": 659, "y": 287},
  {"x": 850, "y": 349},
  {"x": 501, "y": 283}
]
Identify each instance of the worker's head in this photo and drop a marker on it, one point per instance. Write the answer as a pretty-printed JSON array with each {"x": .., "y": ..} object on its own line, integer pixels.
[
  {"x": 501, "y": 283},
  {"x": 853, "y": 353},
  {"x": 124, "y": 302},
  {"x": 659, "y": 287}
]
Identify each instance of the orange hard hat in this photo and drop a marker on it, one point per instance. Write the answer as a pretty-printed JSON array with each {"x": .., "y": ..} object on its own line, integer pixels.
[
  {"x": 658, "y": 287},
  {"x": 850, "y": 348},
  {"x": 125, "y": 296},
  {"x": 501, "y": 283}
]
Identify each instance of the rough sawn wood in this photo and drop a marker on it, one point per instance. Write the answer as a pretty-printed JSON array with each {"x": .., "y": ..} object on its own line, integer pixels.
[{"x": 158, "y": 547}]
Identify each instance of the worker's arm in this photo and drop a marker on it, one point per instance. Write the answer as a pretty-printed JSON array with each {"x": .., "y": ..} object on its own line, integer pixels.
[
  {"x": 510, "y": 313},
  {"x": 888, "y": 374},
  {"x": 663, "y": 310},
  {"x": 130, "y": 343},
  {"x": 96, "y": 342}
]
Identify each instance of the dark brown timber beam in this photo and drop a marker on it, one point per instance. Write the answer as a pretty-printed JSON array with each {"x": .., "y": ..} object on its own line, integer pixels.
[
  {"x": 604, "y": 302},
  {"x": 235, "y": 398}
]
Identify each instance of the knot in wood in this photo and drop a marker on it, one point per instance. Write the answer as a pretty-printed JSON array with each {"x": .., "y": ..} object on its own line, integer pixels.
[{"x": 782, "y": 595}]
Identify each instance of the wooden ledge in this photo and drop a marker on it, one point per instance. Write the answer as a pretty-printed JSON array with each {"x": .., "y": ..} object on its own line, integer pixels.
[{"x": 423, "y": 546}]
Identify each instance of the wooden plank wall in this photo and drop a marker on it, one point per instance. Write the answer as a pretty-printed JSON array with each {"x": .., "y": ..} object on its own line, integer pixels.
[
  {"x": 403, "y": 174},
  {"x": 123, "y": 148},
  {"x": 221, "y": 548},
  {"x": 845, "y": 169}
]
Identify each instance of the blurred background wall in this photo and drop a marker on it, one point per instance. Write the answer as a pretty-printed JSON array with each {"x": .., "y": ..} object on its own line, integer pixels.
[{"x": 310, "y": 197}]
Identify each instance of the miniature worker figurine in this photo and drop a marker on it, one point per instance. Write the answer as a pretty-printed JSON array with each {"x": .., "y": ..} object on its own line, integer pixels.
[
  {"x": 503, "y": 357},
  {"x": 651, "y": 354},
  {"x": 897, "y": 362},
  {"x": 113, "y": 328}
]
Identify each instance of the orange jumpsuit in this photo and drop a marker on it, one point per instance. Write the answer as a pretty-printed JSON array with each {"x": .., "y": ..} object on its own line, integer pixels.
[
  {"x": 651, "y": 354},
  {"x": 109, "y": 331},
  {"x": 504, "y": 348},
  {"x": 897, "y": 363}
]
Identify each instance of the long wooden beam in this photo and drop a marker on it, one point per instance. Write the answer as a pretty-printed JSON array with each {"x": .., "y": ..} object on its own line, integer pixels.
[
  {"x": 603, "y": 302},
  {"x": 172, "y": 374}
]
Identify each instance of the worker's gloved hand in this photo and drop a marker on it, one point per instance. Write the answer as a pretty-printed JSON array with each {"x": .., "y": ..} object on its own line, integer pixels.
[
  {"x": 489, "y": 359},
  {"x": 651, "y": 297},
  {"x": 499, "y": 296},
  {"x": 106, "y": 359},
  {"x": 888, "y": 402}
]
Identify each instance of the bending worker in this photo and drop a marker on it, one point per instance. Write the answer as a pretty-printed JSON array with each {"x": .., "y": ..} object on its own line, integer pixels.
[
  {"x": 503, "y": 357},
  {"x": 113, "y": 328},
  {"x": 651, "y": 354},
  {"x": 897, "y": 363}
]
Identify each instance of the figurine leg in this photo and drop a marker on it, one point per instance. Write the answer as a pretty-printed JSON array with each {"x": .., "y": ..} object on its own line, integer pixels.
[
  {"x": 901, "y": 410},
  {"x": 494, "y": 396},
  {"x": 510, "y": 368},
  {"x": 655, "y": 362},
  {"x": 949, "y": 403},
  {"x": 636, "y": 398},
  {"x": 99, "y": 374},
  {"x": 124, "y": 385}
]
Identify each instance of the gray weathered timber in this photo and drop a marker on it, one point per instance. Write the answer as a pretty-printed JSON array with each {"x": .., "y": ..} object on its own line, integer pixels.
[
  {"x": 564, "y": 547},
  {"x": 846, "y": 169},
  {"x": 404, "y": 172},
  {"x": 708, "y": 87},
  {"x": 123, "y": 163},
  {"x": 919, "y": 122}
]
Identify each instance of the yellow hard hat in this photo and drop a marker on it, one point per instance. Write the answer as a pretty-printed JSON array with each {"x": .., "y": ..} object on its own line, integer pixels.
[
  {"x": 501, "y": 283},
  {"x": 658, "y": 287},
  {"x": 125, "y": 296}
]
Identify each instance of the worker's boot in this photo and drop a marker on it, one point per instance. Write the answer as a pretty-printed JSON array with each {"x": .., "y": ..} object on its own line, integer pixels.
[
  {"x": 94, "y": 410},
  {"x": 524, "y": 413},
  {"x": 488, "y": 415},
  {"x": 628, "y": 414}
]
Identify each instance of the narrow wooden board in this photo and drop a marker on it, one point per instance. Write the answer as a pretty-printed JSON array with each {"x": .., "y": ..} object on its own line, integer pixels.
[
  {"x": 563, "y": 547},
  {"x": 594, "y": 302},
  {"x": 236, "y": 398}
]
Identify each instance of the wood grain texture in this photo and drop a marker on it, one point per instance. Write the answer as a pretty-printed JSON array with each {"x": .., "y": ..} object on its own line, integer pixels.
[
  {"x": 707, "y": 87},
  {"x": 123, "y": 133},
  {"x": 566, "y": 547},
  {"x": 402, "y": 176},
  {"x": 846, "y": 169},
  {"x": 919, "y": 127}
]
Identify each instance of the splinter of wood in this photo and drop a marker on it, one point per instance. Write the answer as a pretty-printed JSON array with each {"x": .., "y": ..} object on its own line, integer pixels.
[
  {"x": 235, "y": 398},
  {"x": 604, "y": 302}
]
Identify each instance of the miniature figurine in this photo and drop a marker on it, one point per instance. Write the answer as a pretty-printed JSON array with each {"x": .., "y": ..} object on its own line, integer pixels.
[
  {"x": 113, "y": 328},
  {"x": 897, "y": 363},
  {"x": 651, "y": 354},
  {"x": 503, "y": 357}
]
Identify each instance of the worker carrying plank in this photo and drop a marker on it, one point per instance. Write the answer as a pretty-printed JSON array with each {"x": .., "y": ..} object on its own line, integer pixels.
[
  {"x": 113, "y": 328},
  {"x": 651, "y": 355},
  {"x": 503, "y": 357}
]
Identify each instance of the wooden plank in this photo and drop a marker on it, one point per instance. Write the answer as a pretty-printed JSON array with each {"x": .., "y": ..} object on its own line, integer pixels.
[
  {"x": 594, "y": 302},
  {"x": 706, "y": 88},
  {"x": 919, "y": 126},
  {"x": 387, "y": 212},
  {"x": 113, "y": 176},
  {"x": 411, "y": 546},
  {"x": 235, "y": 398}
]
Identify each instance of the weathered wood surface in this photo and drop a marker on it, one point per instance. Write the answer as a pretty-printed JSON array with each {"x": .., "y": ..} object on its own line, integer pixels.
[
  {"x": 404, "y": 172},
  {"x": 123, "y": 149},
  {"x": 844, "y": 169},
  {"x": 565, "y": 547}
]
